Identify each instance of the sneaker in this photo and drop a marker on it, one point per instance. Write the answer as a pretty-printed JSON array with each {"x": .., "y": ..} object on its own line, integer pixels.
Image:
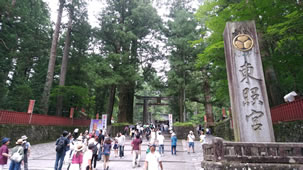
[
  {"x": 134, "y": 167},
  {"x": 138, "y": 165}
]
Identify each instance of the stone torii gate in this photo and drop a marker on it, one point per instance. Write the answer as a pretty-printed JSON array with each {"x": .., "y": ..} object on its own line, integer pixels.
[{"x": 146, "y": 104}]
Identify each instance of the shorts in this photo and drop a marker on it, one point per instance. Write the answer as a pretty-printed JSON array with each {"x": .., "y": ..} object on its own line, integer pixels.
[
  {"x": 106, "y": 154},
  {"x": 191, "y": 144}
]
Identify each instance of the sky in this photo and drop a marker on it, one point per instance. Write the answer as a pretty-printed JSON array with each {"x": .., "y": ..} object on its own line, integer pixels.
[{"x": 94, "y": 8}]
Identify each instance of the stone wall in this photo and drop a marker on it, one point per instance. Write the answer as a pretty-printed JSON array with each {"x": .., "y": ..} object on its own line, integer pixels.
[
  {"x": 284, "y": 131},
  {"x": 114, "y": 129},
  {"x": 36, "y": 134},
  {"x": 289, "y": 131}
]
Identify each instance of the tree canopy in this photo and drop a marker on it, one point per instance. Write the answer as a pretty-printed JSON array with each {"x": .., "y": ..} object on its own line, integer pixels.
[{"x": 101, "y": 69}]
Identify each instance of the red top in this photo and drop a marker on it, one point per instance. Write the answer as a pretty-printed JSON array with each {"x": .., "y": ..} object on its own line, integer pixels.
[
  {"x": 3, "y": 159},
  {"x": 136, "y": 143}
]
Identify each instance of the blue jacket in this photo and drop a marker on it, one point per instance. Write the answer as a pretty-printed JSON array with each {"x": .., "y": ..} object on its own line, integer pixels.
[{"x": 174, "y": 141}]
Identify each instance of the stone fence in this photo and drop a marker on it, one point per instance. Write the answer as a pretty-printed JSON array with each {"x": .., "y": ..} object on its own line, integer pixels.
[{"x": 253, "y": 153}]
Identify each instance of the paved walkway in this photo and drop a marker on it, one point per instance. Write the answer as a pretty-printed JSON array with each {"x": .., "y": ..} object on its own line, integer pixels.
[{"x": 43, "y": 157}]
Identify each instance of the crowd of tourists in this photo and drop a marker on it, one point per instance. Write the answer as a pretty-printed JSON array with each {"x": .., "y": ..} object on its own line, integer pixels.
[{"x": 82, "y": 151}]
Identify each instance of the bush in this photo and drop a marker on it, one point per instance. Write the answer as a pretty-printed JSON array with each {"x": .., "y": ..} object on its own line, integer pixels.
[
  {"x": 183, "y": 124},
  {"x": 121, "y": 124}
]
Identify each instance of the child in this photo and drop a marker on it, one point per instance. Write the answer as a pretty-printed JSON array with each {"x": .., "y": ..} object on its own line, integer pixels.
[{"x": 116, "y": 148}]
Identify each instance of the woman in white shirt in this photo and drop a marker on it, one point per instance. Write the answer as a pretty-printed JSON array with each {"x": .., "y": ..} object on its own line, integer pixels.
[{"x": 87, "y": 158}]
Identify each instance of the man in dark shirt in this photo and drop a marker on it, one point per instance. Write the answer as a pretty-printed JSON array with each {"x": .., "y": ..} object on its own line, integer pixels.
[
  {"x": 136, "y": 151},
  {"x": 61, "y": 149},
  {"x": 100, "y": 141}
]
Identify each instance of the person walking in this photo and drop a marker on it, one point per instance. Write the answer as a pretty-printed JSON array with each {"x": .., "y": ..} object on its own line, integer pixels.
[
  {"x": 93, "y": 141},
  {"x": 77, "y": 157},
  {"x": 62, "y": 144},
  {"x": 190, "y": 140},
  {"x": 153, "y": 136},
  {"x": 136, "y": 151},
  {"x": 126, "y": 129},
  {"x": 202, "y": 137},
  {"x": 27, "y": 149},
  {"x": 17, "y": 151},
  {"x": 73, "y": 148},
  {"x": 87, "y": 158},
  {"x": 121, "y": 143},
  {"x": 115, "y": 147},
  {"x": 160, "y": 139},
  {"x": 4, "y": 152},
  {"x": 153, "y": 160},
  {"x": 106, "y": 152},
  {"x": 100, "y": 141},
  {"x": 173, "y": 144}
]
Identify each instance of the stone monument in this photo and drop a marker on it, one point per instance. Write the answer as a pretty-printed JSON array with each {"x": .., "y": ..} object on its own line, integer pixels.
[{"x": 247, "y": 90}]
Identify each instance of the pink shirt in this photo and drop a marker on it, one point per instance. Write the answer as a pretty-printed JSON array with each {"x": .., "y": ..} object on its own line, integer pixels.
[
  {"x": 3, "y": 159},
  {"x": 77, "y": 159}
]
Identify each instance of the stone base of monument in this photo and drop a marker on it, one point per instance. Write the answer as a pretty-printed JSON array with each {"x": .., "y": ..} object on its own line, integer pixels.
[
  {"x": 225, "y": 155},
  {"x": 208, "y": 165}
]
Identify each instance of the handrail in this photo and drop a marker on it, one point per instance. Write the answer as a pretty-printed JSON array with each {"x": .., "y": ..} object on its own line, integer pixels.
[{"x": 287, "y": 112}]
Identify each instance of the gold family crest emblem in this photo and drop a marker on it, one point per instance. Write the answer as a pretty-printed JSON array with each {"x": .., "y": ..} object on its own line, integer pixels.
[{"x": 243, "y": 42}]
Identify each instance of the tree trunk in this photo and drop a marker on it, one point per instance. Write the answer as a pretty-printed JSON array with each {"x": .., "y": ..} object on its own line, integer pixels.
[
  {"x": 52, "y": 60},
  {"x": 272, "y": 84},
  {"x": 65, "y": 60},
  {"x": 208, "y": 104},
  {"x": 145, "y": 112},
  {"x": 274, "y": 93},
  {"x": 111, "y": 103},
  {"x": 126, "y": 101},
  {"x": 181, "y": 105}
]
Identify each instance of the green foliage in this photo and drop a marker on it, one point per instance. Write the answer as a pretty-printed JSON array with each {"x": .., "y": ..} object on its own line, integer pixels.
[
  {"x": 24, "y": 42},
  {"x": 121, "y": 124},
  {"x": 189, "y": 124},
  {"x": 73, "y": 96},
  {"x": 198, "y": 119},
  {"x": 280, "y": 35}
]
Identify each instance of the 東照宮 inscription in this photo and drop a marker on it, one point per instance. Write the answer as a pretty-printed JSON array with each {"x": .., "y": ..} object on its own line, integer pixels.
[{"x": 250, "y": 108}]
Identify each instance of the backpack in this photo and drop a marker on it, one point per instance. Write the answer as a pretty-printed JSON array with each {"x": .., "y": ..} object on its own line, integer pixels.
[
  {"x": 95, "y": 150},
  {"x": 60, "y": 145}
]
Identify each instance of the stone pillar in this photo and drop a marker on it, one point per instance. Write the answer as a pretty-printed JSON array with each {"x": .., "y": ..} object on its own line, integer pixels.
[
  {"x": 247, "y": 90},
  {"x": 145, "y": 111}
]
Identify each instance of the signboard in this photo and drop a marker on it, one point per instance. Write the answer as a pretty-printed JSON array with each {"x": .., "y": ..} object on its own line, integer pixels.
[
  {"x": 71, "y": 113},
  {"x": 170, "y": 119},
  {"x": 95, "y": 125},
  {"x": 247, "y": 90},
  {"x": 31, "y": 106},
  {"x": 104, "y": 121}
]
